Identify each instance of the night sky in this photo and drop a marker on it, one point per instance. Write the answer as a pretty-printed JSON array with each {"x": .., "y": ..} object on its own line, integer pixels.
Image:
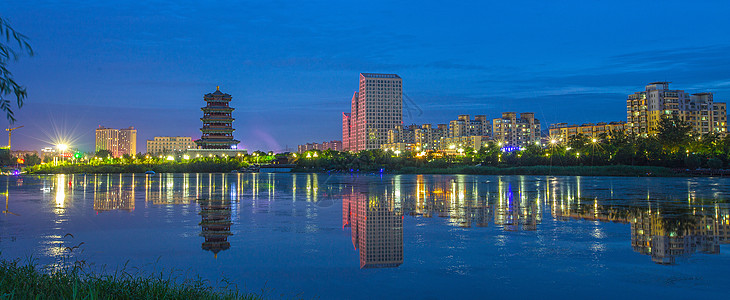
[{"x": 292, "y": 66}]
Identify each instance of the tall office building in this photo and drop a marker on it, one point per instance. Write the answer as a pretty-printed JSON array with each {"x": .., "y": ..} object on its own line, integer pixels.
[
  {"x": 376, "y": 108},
  {"x": 117, "y": 141},
  {"x": 645, "y": 110},
  {"x": 217, "y": 130}
]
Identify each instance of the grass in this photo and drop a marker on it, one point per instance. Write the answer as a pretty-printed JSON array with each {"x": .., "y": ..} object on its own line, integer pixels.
[
  {"x": 27, "y": 281},
  {"x": 617, "y": 170}
]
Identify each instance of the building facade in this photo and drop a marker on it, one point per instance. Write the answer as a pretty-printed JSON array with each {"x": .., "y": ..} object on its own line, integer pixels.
[
  {"x": 117, "y": 141},
  {"x": 170, "y": 144},
  {"x": 561, "y": 132},
  {"x": 516, "y": 131},
  {"x": 429, "y": 138},
  {"x": 376, "y": 108},
  {"x": 464, "y": 126},
  {"x": 217, "y": 130},
  {"x": 645, "y": 110},
  {"x": 331, "y": 145}
]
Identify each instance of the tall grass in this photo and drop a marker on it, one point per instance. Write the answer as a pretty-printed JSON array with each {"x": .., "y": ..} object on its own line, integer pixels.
[{"x": 27, "y": 281}]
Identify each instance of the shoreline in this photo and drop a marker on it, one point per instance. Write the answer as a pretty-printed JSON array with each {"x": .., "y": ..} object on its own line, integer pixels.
[{"x": 611, "y": 170}]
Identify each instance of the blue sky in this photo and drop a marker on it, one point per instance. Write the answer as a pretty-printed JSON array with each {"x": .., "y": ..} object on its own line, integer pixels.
[{"x": 292, "y": 66}]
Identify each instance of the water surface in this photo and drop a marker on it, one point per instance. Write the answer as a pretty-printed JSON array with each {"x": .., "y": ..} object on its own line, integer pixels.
[{"x": 395, "y": 236}]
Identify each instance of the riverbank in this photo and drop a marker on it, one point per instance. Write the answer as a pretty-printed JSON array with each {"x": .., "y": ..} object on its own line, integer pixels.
[
  {"x": 190, "y": 167},
  {"x": 29, "y": 282},
  {"x": 619, "y": 170},
  {"x": 614, "y": 170}
]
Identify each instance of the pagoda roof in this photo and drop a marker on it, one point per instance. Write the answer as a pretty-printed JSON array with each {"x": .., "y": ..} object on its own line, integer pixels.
[{"x": 218, "y": 93}]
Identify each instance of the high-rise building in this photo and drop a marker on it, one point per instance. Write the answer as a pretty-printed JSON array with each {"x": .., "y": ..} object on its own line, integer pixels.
[
  {"x": 127, "y": 141},
  {"x": 376, "y": 108},
  {"x": 346, "y": 127},
  {"x": 117, "y": 141},
  {"x": 429, "y": 137},
  {"x": 645, "y": 110},
  {"x": 511, "y": 130},
  {"x": 464, "y": 126},
  {"x": 170, "y": 144},
  {"x": 217, "y": 130}
]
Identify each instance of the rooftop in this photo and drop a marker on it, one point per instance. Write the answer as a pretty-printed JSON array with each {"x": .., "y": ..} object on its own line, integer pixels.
[{"x": 375, "y": 75}]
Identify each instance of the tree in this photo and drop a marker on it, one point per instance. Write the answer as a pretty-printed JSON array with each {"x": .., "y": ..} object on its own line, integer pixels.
[
  {"x": 674, "y": 134},
  {"x": 32, "y": 159},
  {"x": 103, "y": 153},
  {"x": 10, "y": 51}
]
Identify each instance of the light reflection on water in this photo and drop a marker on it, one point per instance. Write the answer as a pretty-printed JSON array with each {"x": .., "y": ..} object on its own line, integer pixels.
[{"x": 666, "y": 219}]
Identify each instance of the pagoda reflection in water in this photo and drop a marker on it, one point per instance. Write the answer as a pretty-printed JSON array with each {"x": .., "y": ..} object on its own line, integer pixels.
[{"x": 215, "y": 223}]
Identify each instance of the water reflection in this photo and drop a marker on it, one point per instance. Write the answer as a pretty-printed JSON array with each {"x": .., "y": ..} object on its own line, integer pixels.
[
  {"x": 110, "y": 195},
  {"x": 376, "y": 225},
  {"x": 668, "y": 218},
  {"x": 215, "y": 223}
]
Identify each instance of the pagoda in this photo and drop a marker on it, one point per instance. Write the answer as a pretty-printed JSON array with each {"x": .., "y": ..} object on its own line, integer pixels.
[{"x": 217, "y": 130}]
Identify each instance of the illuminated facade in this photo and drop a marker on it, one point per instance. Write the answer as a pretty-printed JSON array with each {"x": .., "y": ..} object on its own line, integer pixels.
[
  {"x": 464, "y": 126},
  {"x": 645, "y": 109},
  {"x": 428, "y": 137},
  {"x": 117, "y": 141},
  {"x": 376, "y": 108},
  {"x": 169, "y": 144},
  {"x": 517, "y": 131},
  {"x": 217, "y": 130},
  {"x": 331, "y": 145},
  {"x": 562, "y": 131}
]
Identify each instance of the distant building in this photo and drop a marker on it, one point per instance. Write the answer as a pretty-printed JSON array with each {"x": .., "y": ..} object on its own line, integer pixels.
[
  {"x": 561, "y": 132},
  {"x": 428, "y": 137},
  {"x": 170, "y": 144},
  {"x": 217, "y": 130},
  {"x": 645, "y": 109},
  {"x": 464, "y": 126},
  {"x": 332, "y": 145},
  {"x": 117, "y": 141},
  {"x": 22, "y": 153},
  {"x": 511, "y": 130},
  {"x": 48, "y": 152},
  {"x": 376, "y": 108}
]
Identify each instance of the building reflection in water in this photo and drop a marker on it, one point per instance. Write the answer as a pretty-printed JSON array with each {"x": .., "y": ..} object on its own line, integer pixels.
[
  {"x": 113, "y": 192},
  {"x": 661, "y": 228},
  {"x": 376, "y": 225}
]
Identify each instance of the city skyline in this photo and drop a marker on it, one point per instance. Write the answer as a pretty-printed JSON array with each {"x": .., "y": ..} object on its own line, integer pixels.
[{"x": 149, "y": 63}]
